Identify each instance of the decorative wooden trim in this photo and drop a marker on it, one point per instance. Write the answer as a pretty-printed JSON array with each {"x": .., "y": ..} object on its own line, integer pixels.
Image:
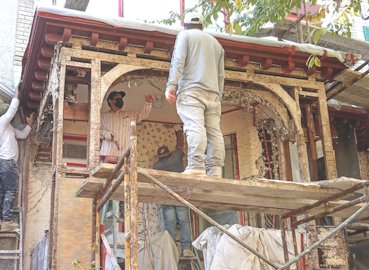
[
  {"x": 43, "y": 63},
  {"x": 243, "y": 61},
  {"x": 122, "y": 43},
  {"x": 36, "y": 96},
  {"x": 41, "y": 75},
  {"x": 47, "y": 52},
  {"x": 94, "y": 39},
  {"x": 161, "y": 65},
  {"x": 149, "y": 45},
  {"x": 267, "y": 63},
  {"x": 38, "y": 86},
  {"x": 67, "y": 33},
  {"x": 52, "y": 39}
]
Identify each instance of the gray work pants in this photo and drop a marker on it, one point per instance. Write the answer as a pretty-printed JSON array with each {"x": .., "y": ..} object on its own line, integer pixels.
[{"x": 200, "y": 113}]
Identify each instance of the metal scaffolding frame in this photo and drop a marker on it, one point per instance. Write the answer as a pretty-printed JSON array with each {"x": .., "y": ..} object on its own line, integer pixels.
[{"x": 128, "y": 170}]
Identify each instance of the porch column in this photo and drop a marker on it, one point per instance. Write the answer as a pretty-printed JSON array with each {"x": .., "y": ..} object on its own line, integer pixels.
[
  {"x": 95, "y": 106},
  {"x": 329, "y": 156},
  {"x": 300, "y": 141}
]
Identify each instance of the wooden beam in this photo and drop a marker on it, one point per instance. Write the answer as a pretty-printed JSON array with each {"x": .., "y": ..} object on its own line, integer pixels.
[
  {"x": 312, "y": 153},
  {"x": 329, "y": 155},
  {"x": 300, "y": 140},
  {"x": 134, "y": 197},
  {"x": 161, "y": 65},
  {"x": 76, "y": 112},
  {"x": 94, "y": 123}
]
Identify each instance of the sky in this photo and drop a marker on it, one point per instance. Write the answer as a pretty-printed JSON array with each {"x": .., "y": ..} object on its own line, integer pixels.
[{"x": 142, "y": 10}]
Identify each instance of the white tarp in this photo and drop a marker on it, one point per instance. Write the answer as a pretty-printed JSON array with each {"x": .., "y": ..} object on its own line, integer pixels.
[
  {"x": 154, "y": 252},
  {"x": 223, "y": 253}
]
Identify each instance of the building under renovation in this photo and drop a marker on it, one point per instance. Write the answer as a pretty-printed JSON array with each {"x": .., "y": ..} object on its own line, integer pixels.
[{"x": 285, "y": 150}]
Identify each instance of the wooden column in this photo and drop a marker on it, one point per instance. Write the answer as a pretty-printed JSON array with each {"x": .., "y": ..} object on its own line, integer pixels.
[
  {"x": 95, "y": 106},
  {"x": 329, "y": 155},
  {"x": 286, "y": 158},
  {"x": 300, "y": 141},
  {"x": 96, "y": 220},
  {"x": 312, "y": 153},
  {"x": 134, "y": 198},
  {"x": 58, "y": 156},
  {"x": 127, "y": 214}
]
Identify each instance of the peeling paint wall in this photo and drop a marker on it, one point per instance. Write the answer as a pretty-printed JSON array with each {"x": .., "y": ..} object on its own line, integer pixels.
[
  {"x": 37, "y": 217},
  {"x": 333, "y": 253},
  {"x": 363, "y": 158}
]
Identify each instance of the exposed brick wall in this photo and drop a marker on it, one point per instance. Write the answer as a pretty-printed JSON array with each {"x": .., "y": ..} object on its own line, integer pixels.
[
  {"x": 364, "y": 164},
  {"x": 23, "y": 28}
]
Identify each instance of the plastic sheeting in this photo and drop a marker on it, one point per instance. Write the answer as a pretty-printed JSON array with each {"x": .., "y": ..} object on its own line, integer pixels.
[
  {"x": 156, "y": 252},
  {"x": 39, "y": 255}
]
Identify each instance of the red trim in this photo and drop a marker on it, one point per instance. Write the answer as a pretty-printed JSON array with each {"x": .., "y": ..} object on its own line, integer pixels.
[
  {"x": 75, "y": 137},
  {"x": 72, "y": 164},
  {"x": 54, "y": 25},
  {"x": 232, "y": 110}
]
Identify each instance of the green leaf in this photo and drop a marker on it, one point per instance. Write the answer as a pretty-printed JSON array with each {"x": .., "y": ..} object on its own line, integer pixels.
[
  {"x": 237, "y": 28},
  {"x": 318, "y": 34}
]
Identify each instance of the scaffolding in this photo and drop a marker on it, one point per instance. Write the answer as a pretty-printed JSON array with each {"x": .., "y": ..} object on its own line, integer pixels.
[{"x": 148, "y": 185}]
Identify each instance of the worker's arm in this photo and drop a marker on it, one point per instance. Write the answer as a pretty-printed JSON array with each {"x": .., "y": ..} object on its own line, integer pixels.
[
  {"x": 6, "y": 118},
  {"x": 145, "y": 112},
  {"x": 176, "y": 66},
  {"x": 221, "y": 74},
  {"x": 23, "y": 134},
  {"x": 104, "y": 133}
]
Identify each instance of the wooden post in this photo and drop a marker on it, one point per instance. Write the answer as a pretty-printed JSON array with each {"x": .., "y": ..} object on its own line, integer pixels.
[
  {"x": 127, "y": 214},
  {"x": 134, "y": 197},
  {"x": 97, "y": 237},
  {"x": 286, "y": 164},
  {"x": 329, "y": 156},
  {"x": 95, "y": 106},
  {"x": 312, "y": 153},
  {"x": 115, "y": 226},
  {"x": 300, "y": 141}
]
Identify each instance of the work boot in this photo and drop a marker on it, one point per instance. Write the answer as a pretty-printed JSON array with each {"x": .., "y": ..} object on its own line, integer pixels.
[
  {"x": 9, "y": 225},
  {"x": 199, "y": 172},
  {"x": 187, "y": 252}
]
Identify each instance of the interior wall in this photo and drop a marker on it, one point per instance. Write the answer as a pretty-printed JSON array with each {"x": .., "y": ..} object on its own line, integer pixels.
[
  {"x": 248, "y": 145},
  {"x": 345, "y": 147}
]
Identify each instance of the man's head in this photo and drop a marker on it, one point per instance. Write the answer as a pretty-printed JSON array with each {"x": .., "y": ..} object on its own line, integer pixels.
[
  {"x": 115, "y": 100},
  {"x": 163, "y": 151},
  {"x": 194, "y": 21},
  {"x": 3, "y": 108}
]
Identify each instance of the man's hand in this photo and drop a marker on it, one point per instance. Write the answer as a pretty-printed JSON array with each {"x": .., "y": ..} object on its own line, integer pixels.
[
  {"x": 16, "y": 93},
  {"x": 170, "y": 94},
  {"x": 149, "y": 98},
  {"x": 31, "y": 119}
]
